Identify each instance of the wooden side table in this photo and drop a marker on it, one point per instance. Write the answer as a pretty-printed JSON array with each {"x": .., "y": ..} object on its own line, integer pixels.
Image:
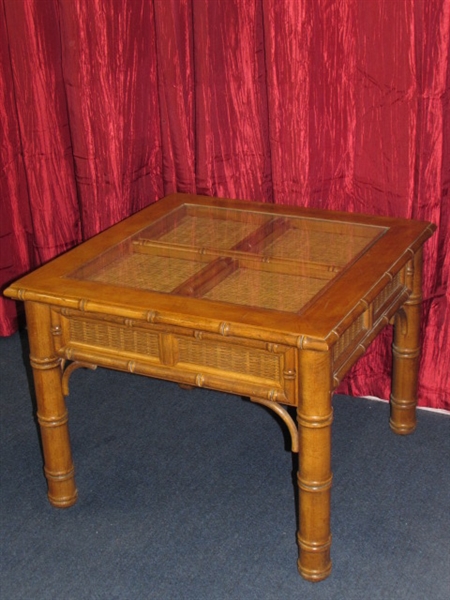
[{"x": 271, "y": 302}]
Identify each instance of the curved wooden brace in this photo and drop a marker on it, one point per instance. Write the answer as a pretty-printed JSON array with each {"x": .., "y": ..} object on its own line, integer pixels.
[
  {"x": 285, "y": 416},
  {"x": 68, "y": 372}
]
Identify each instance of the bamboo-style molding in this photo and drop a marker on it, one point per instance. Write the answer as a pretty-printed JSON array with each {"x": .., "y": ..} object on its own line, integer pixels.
[
  {"x": 178, "y": 321},
  {"x": 371, "y": 334},
  {"x": 314, "y": 478},
  {"x": 244, "y": 259},
  {"x": 406, "y": 353},
  {"x": 245, "y": 385},
  {"x": 52, "y": 413},
  {"x": 154, "y": 324},
  {"x": 44, "y": 364}
]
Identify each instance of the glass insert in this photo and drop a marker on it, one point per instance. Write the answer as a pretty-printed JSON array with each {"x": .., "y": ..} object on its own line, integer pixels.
[{"x": 237, "y": 256}]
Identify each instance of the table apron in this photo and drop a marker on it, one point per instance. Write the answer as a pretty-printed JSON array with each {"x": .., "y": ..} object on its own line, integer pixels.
[{"x": 240, "y": 366}]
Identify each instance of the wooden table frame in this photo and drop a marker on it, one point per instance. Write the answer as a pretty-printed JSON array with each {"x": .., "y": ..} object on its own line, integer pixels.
[{"x": 309, "y": 355}]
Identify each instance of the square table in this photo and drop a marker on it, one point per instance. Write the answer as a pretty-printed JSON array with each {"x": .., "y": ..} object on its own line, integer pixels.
[{"x": 270, "y": 302}]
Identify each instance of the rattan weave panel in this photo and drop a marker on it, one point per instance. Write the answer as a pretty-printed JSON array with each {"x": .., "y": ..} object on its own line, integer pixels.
[
  {"x": 146, "y": 272},
  {"x": 384, "y": 296},
  {"x": 317, "y": 246},
  {"x": 230, "y": 358},
  {"x": 114, "y": 337},
  {"x": 348, "y": 338},
  {"x": 204, "y": 232},
  {"x": 267, "y": 290}
]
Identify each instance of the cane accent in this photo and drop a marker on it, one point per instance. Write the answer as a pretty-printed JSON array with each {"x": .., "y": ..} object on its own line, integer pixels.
[
  {"x": 386, "y": 295},
  {"x": 114, "y": 337},
  {"x": 276, "y": 291},
  {"x": 203, "y": 231},
  {"x": 230, "y": 358},
  {"x": 348, "y": 340},
  {"x": 146, "y": 272}
]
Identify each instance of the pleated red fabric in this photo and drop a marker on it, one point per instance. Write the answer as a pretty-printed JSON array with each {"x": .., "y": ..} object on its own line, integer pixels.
[{"x": 108, "y": 105}]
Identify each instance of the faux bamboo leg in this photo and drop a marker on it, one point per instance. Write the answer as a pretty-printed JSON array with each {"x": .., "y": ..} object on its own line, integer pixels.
[
  {"x": 315, "y": 417},
  {"x": 406, "y": 353},
  {"x": 51, "y": 408}
]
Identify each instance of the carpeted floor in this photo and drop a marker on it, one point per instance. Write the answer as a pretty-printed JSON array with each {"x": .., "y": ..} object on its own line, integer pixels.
[{"x": 190, "y": 495}]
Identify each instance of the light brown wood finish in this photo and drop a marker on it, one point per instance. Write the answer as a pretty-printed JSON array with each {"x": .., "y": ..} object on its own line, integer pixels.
[
  {"x": 314, "y": 417},
  {"x": 52, "y": 413},
  {"x": 406, "y": 353},
  {"x": 347, "y": 276}
]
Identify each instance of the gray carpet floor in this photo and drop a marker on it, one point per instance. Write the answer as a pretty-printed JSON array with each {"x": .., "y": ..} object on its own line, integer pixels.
[{"x": 190, "y": 495}]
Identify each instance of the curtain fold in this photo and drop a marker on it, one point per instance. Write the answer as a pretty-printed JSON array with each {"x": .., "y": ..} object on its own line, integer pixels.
[
  {"x": 106, "y": 106},
  {"x": 232, "y": 146},
  {"x": 36, "y": 80},
  {"x": 110, "y": 73}
]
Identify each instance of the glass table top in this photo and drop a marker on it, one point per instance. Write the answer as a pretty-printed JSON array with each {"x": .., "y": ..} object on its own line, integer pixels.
[{"x": 242, "y": 257}]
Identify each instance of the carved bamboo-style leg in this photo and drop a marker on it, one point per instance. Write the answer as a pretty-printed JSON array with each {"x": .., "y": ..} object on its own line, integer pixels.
[
  {"x": 406, "y": 353},
  {"x": 51, "y": 408},
  {"x": 315, "y": 416}
]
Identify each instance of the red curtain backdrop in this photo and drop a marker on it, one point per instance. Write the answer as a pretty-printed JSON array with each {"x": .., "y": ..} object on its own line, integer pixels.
[{"x": 108, "y": 105}]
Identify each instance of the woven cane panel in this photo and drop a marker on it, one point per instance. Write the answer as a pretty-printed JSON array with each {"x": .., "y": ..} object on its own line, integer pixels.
[
  {"x": 114, "y": 337},
  {"x": 230, "y": 358},
  {"x": 349, "y": 337},
  {"x": 206, "y": 232},
  {"x": 147, "y": 272},
  {"x": 384, "y": 296},
  {"x": 316, "y": 246},
  {"x": 278, "y": 291}
]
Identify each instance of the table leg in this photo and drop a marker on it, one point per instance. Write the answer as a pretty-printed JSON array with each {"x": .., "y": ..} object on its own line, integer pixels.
[
  {"x": 51, "y": 407},
  {"x": 314, "y": 417},
  {"x": 406, "y": 353}
]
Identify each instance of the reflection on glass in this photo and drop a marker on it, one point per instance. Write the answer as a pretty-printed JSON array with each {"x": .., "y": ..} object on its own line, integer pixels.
[{"x": 243, "y": 257}]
